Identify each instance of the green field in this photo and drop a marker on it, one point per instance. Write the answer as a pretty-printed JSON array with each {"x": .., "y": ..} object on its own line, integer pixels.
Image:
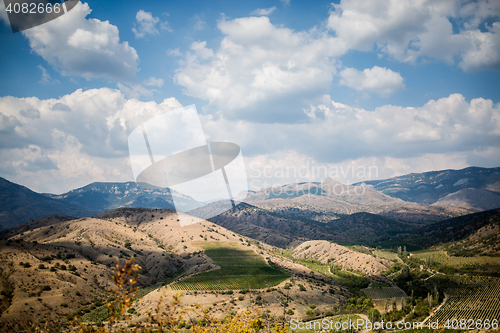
[
  {"x": 240, "y": 268},
  {"x": 345, "y": 278},
  {"x": 384, "y": 292},
  {"x": 386, "y": 254},
  {"x": 467, "y": 264}
]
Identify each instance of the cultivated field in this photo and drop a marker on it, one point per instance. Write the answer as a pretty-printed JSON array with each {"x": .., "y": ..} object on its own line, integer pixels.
[
  {"x": 240, "y": 268},
  {"x": 471, "y": 264},
  {"x": 384, "y": 292},
  {"x": 386, "y": 254},
  {"x": 476, "y": 298}
]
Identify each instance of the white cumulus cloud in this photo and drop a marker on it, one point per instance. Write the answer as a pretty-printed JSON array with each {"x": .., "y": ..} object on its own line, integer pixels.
[
  {"x": 152, "y": 81},
  {"x": 407, "y": 30},
  {"x": 147, "y": 24},
  {"x": 264, "y": 11},
  {"x": 85, "y": 47},
  {"x": 59, "y": 144},
  {"x": 258, "y": 67},
  {"x": 337, "y": 132},
  {"x": 379, "y": 80}
]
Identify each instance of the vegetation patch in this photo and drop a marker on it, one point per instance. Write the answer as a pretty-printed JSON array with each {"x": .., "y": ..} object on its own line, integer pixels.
[
  {"x": 384, "y": 292},
  {"x": 240, "y": 268}
]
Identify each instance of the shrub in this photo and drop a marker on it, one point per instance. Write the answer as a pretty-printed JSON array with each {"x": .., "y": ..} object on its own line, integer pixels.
[{"x": 41, "y": 266}]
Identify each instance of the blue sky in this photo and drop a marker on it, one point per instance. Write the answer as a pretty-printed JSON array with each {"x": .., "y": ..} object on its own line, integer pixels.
[{"x": 396, "y": 85}]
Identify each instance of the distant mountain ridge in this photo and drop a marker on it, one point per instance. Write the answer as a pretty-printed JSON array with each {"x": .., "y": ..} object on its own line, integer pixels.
[
  {"x": 400, "y": 198},
  {"x": 331, "y": 199},
  {"x": 428, "y": 187},
  {"x": 18, "y": 204},
  {"x": 99, "y": 197}
]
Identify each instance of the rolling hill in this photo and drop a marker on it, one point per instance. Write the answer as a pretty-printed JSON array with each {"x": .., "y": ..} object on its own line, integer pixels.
[
  {"x": 476, "y": 232},
  {"x": 285, "y": 231},
  {"x": 347, "y": 259},
  {"x": 66, "y": 264}
]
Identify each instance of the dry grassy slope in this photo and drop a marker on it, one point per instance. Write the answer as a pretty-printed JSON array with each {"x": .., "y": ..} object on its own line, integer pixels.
[
  {"x": 265, "y": 226},
  {"x": 317, "y": 292},
  {"x": 342, "y": 256},
  {"x": 292, "y": 228},
  {"x": 421, "y": 214},
  {"x": 454, "y": 229},
  {"x": 321, "y": 208},
  {"x": 495, "y": 187},
  {"x": 41, "y": 222},
  {"x": 483, "y": 241},
  {"x": 337, "y": 198},
  {"x": 161, "y": 246},
  {"x": 471, "y": 198}
]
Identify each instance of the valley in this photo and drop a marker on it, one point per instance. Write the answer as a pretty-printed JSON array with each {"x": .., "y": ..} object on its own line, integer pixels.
[{"x": 300, "y": 252}]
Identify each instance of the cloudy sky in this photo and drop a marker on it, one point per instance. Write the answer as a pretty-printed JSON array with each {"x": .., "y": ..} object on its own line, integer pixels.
[{"x": 395, "y": 86}]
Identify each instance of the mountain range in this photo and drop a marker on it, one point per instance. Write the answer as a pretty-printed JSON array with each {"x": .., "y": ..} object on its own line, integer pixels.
[
  {"x": 18, "y": 204},
  {"x": 429, "y": 187},
  {"x": 414, "y": 199}
]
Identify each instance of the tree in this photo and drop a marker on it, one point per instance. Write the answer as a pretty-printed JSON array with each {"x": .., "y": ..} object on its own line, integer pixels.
[
  {"x": 405, "y": 271},
  {"x": 436, "y": 294},
  {"x": 373, "y": 315}
]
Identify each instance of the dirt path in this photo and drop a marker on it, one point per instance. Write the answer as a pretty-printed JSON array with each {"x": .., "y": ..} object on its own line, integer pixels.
[{"x": 437, "y": 309}]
